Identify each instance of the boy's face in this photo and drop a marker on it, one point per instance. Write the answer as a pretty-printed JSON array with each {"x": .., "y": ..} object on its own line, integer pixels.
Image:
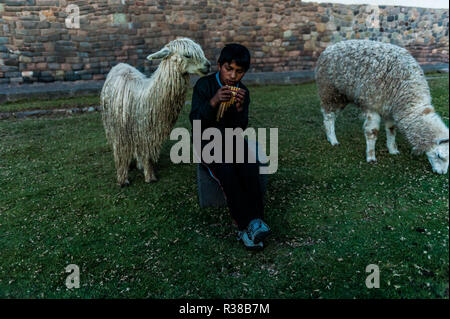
[{"x": 230, "y": 73}]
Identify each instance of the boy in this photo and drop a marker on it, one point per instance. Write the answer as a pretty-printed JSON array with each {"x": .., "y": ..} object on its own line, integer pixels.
[{"x": 239, "y": 181}]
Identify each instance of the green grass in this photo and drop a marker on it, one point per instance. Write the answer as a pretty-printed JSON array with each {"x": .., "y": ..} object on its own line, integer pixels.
[
  {"x": 25, "y": 105},
  {"x": 88, "y": 100},
  {"x": 332, "y": 214},
  {"x": 61, "y": 103}
]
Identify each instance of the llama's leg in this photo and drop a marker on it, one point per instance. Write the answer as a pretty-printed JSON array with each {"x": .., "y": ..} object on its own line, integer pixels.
[
  {"x": 136, "y": 162},
  {"x": 122, "y": 160},
  {"x": 149, "y": 171},
  {"x": 139, "y": 164},
  {"x": 329, "y": 119},
  {"x": 153, "y": 177},
  {"x": 371, "y": 129},
  {"x": 390, "y": 137}
]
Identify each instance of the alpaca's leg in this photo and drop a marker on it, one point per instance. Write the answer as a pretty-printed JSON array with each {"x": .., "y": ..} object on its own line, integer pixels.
[
  {"x": 329, "y": 119},
  {"x": 331, "y": 102},
  {"x": 371, "y": 129},
  {"x": 390, "y": 137},
  {"x": 122, "y": 160}
]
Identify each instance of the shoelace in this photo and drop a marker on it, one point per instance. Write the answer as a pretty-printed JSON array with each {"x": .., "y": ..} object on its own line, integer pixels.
[{"x": 255, "y": 226}]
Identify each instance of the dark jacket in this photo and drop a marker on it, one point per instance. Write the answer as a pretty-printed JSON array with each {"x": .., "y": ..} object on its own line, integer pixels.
[{"x": 205, "y": 88}]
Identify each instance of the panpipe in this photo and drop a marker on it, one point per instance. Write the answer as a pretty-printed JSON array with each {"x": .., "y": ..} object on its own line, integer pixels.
[{"x": 225, "y": 105}]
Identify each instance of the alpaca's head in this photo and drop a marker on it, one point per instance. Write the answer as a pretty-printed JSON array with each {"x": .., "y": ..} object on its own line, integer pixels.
[
  {"x": 438, "y": 156},
  {"x": 432, "y": 133},
  {"x": 186, "y": 55},
  {"x": 428, "y": 134}
]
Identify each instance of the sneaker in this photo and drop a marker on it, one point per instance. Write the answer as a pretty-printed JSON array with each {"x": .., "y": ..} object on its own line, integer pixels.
[
  {"x": 258, "y": 230},
  {"x": 248, "y": 243}
]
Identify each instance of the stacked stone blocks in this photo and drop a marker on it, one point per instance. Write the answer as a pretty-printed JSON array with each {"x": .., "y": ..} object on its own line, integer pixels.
[{"x": 36, "y": 43}]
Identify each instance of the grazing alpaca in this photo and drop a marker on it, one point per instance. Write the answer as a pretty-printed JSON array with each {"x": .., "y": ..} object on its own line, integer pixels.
[
  {"x": 139, "y": 112},
  {"x": 386, "y": 82}
]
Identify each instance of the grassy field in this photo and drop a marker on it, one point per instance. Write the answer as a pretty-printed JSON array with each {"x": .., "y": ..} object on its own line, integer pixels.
[
  {"x": 332, "y": 214},
  {"x": 60, "y": 103}
]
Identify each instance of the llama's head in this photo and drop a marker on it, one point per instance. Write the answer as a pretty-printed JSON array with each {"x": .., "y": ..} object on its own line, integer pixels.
[
  {"x": 438, "y": 156},
  {"x": 186, "y": 55}
]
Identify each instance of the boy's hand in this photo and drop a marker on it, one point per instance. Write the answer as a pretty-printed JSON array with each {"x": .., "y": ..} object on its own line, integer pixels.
[
  {"x": 222, "y": 95},
  {"x": 240, "y": 98}
]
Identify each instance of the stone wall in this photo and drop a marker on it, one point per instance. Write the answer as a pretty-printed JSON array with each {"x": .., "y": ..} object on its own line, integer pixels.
[{"x": 41, "y": 40}]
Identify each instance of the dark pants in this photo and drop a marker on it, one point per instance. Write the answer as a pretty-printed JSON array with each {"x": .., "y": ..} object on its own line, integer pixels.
[{"x": 240, "y": 184}]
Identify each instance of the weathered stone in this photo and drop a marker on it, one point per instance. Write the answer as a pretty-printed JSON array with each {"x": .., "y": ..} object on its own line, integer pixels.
[
  {"x": 16, "y": 80},
  {"x": 86, "y": 76},
  {"x": 30, "y": 24},
  {"x": 70, "y": 76},
  {"x": 112, "y": 32},
  {"x": 41, "y": 66},
  {"x": 98, "y": 77},
  {"x": 77, "y": 66},
  {"x": 54, "y": 66},
  {"x": 59, "y": 75},
  {"x": 26, "y": 74},
  {"x": 119, "y": 18},
  {"x": 321, "y": 27},
  {"x": 287, "y": 34},
  {"x": 19, "y": 3},
  {"x": 12, "y": 74},
  {"x": 11, "y": 62}
]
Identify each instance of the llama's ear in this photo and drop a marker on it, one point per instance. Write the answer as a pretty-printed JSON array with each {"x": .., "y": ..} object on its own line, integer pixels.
[
  {"x": 441, "y": 141},
  {"x": 161, "y": 54}
]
